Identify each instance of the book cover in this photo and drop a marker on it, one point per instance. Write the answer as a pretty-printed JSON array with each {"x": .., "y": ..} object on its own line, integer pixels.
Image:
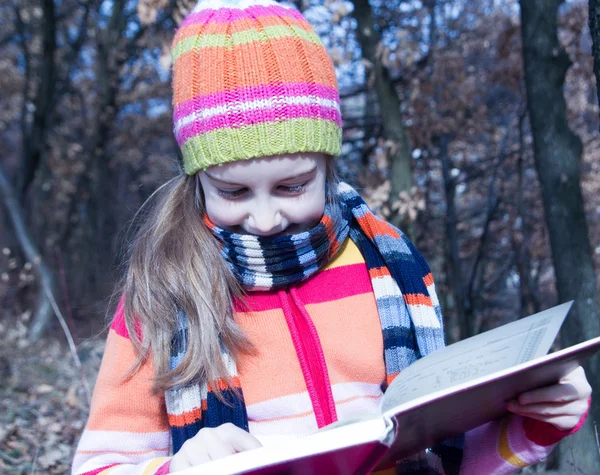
[{"x": 442, "y": 395}]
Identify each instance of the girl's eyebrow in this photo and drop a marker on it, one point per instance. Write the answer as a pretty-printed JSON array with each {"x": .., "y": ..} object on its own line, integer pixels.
[
  {"x": 292, "y": 177},
  {"x": 301, "y": 174},
  {"x": 219, "y": 180}
]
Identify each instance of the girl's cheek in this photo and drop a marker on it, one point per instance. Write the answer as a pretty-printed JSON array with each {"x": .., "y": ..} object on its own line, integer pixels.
[
  {"x": 224, "y": 213},
  {"x": 306, "y": 210}
]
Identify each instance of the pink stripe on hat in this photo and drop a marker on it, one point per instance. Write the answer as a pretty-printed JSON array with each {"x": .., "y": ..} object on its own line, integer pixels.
[
  {"x": 254, "y": 13},
  {"x": 260, "y": 116},
  {"x": 268, "y": 82},
  {"x": 254, "y": 93}
]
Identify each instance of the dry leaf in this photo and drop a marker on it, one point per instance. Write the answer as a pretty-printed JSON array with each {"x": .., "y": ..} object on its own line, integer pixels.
[
  {"x": 44, "y": 389},
  {"x": 72, "y": 399}
]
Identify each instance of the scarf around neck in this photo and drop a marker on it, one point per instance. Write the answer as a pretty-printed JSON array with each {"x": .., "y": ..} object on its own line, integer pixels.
[
  {"x": 269, "y": 263},
  {"x": 407, "y": 304}
]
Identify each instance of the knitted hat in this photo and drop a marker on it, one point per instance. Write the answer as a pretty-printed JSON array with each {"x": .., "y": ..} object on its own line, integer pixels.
[{"x": 251, "y": 78}]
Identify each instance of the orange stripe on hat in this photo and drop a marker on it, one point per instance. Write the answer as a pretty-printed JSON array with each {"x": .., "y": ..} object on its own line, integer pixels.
[{"x": 219, "y": 63}]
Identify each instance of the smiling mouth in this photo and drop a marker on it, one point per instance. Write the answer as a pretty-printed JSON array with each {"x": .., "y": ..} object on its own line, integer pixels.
[
  {"x": 277, "y": 234},
  {"x": 240, "y": 230},
  {"x": 280, "y": 233},
  {"x": 291, "y": 229}
]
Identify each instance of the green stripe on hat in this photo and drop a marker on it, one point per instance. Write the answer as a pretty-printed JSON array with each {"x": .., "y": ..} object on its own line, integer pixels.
[
  {"x": 271, "y": 138},
  {"x": 241, "y": 38}
]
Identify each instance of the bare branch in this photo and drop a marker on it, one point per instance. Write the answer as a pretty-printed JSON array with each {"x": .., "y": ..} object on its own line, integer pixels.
[{"x": 46, "y": 279}]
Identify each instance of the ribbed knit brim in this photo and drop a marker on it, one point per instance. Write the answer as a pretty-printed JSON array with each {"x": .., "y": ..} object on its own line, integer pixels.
[{"x": 251, "y": 79}]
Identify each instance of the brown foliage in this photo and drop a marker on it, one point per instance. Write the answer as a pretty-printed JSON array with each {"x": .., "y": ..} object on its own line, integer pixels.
[{"x": 460, "y": 84}]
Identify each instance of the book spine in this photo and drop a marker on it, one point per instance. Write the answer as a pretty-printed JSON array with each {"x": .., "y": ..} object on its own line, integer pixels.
[{"x": 372, "y": 462}]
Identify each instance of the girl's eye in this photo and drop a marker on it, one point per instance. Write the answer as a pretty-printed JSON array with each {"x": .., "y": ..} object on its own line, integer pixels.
[
  {"x": 239, "y": 193},
  {"x": 232, "y": 194},
  {"x": 293, "y": 190}
]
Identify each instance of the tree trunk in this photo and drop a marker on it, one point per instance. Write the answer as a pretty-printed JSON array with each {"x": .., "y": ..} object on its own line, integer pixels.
[
  {"x": 46, "y": 282},
  {"x": 33, "y": 138},
  {"x": 594, "y": 19},
  {"x": 91, "y": 248},
  {"x": 557, "y": 156},
  {"x": 389, "y": 106},
  {"x": 454, "y": 272},
  {"x": 520, "y": 236}
]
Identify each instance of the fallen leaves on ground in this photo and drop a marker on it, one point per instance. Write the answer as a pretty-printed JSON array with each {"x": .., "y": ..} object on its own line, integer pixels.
[{"x": 43, "y": 404}]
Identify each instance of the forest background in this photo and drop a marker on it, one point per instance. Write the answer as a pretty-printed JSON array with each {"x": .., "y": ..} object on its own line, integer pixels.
[{"x": 472, "y": 124}]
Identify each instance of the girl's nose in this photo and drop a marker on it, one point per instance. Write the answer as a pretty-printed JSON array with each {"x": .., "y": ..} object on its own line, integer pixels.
[{"x": 265, "y": 221}]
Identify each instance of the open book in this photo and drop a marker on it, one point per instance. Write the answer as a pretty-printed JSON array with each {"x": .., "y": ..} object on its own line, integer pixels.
[{"x": 438, "y": 397}]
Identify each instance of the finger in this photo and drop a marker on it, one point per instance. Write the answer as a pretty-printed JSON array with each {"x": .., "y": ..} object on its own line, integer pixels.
[
  {"x": 179, "y": 461},
  {"x": 557, "y": 393},
  {"x": 577, "y": 374},
  {"x": 238, "y": 438},
  {"x": 217, "y": 446},
  {"x": 574, "y": 408},
  {"x": 194, "y": 454}
]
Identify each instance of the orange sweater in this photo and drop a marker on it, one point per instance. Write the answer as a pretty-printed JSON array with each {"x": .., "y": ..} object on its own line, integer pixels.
[{"x": 128, "y": 429}]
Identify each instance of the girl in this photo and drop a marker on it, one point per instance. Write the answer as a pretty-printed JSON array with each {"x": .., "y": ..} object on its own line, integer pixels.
[{"x": 263, "y": 299}]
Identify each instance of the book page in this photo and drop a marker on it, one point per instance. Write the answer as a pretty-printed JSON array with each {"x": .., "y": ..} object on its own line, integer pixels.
[
  {"x": 442, "y": 415},
  {"x": 483, "y": 354},
  {"x": 342, "y": 450}
]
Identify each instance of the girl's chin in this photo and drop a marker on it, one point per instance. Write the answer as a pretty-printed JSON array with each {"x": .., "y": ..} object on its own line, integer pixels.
[{"x": 291, "y": 229}]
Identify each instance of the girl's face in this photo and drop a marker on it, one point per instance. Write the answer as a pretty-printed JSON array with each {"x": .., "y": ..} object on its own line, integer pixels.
[{"x": 268, "y": 196}]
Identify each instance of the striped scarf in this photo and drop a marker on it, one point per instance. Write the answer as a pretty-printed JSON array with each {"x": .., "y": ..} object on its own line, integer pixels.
[{"x": 407, "y": 304}]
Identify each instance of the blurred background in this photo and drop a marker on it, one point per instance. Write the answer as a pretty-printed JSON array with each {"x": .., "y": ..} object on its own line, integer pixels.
[{"x": 471, "y": 124}]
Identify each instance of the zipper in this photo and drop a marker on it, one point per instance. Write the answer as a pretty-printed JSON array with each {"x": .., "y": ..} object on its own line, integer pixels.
[{"x": 310, "y": 356}]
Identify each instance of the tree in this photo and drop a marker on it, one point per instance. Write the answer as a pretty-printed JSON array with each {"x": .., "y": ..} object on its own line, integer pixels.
[
  {"x": 45, "y": 276},
  {"x": 46, "y": 73},
  {"x": 34, "y": 134},
  {"x": 594, "y": 19},
  {"x": 389, "y": 106},
  {"x": 558, "y": 153}
]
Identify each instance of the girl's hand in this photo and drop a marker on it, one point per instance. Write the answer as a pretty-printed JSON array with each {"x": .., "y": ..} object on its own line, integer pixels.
[
  {"x": 562, "y": 404},
  {"x": 212, "y": 443}
]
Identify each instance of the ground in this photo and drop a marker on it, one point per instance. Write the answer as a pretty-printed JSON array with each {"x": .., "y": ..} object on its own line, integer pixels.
[{"x": 43, "y": 401}]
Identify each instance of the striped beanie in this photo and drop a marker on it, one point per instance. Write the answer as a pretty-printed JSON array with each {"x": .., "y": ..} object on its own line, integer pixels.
[{"x": 251, "y": 78}]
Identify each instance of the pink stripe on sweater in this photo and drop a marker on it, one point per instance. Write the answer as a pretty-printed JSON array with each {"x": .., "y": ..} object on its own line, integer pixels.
[
  {"x": 96, "y": 471},
  {"x": 310, "y": 356},
  {"x": 327, "y": 286},
  {"x": 254, "y": 93},
  {"x": 302, "y": 355},
  {"x": 164, "y": 469},
  {"x": 225, "y": 15},
  {"x": 317, "y": 361},
  {"x": 118, "y": 324},
  {"x": 255, "y": 117}
]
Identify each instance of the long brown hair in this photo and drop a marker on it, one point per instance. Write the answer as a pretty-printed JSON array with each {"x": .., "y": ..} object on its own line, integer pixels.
[{"x": 174, "y": 264}]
